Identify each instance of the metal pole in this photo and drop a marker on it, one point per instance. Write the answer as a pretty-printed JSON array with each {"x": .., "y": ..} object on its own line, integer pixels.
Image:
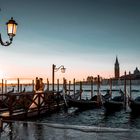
[{"x": 53, "y": 67}]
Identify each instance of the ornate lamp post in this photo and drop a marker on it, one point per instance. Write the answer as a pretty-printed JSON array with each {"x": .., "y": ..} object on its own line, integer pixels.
[
  {"x": 11, "y": 31},
  {"x": 55, "y": 69}
]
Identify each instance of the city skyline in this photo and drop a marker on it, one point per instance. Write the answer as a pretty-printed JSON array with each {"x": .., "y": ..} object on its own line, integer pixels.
[{"x": 84, "y": 36}]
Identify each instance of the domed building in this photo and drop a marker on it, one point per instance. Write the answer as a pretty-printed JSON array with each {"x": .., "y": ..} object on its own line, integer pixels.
[{"x": 136, "y": 74}]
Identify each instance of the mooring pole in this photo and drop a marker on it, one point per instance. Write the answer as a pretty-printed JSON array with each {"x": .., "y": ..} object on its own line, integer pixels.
[
  {"x": 98, "y": 87},
  {"x": 1, "y": 124},
  {"x": 33, "y": 85},
  {"x": 5, "y": 86},
  {"x": 58, "y": 85},
  {"x": 18, "y": 85},
  {"x": 130, "y": 86},
  {"x": 110, "y": 86},
  {"x": 65, "y": 85},
  {"x": 69, "y": 86},
  {"x": 47, "y": 84},
  {"x": 125, "y": 90},
  {"x": 53, "y": 68},
  {"x": 91, "y": 88},
  {"x": 74, "y": 87},
  {"x": 2, "y": 89},
  {"x": 81, "y": 90}
]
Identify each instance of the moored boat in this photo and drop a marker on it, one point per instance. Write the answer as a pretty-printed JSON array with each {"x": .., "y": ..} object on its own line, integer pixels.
[
  {"x": 114, "y": 104},
  {"x": 135, "y": 105},
  {"x": 83, "y": 104}
]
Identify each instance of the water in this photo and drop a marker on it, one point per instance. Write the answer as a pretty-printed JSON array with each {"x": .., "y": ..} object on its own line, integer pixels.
[{"x": 80, "y": 125}]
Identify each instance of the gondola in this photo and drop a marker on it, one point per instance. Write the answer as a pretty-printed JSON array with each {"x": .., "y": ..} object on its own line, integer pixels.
[
  {"x": 135, "y": 105},
  {"x": 114, "y": 104},
  {"x": 84, "y": 104}
]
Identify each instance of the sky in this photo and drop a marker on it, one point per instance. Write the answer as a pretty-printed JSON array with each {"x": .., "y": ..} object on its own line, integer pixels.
[{"x": 83, "y": 35}]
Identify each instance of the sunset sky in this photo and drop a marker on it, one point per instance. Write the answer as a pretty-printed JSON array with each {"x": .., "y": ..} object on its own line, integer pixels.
[{"x": 83, "y": 35}]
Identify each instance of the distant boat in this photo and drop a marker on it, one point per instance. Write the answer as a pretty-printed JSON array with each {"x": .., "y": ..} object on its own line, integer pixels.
[
  {"x": 115, "y": 104},
  {"x": 135, "y": 105}
]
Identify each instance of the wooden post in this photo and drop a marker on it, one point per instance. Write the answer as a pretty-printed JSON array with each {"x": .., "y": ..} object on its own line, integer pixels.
[
  {"x": 2, "y": 87},
  {"x": 110, "y": 82},
  {"x": 74, "y": 87},
  {"x": 125, "y": 90},
  {"x": 53, "y": 70},
  {"x": 47, "y": 84},
  {"x": 38, "y": 105},
  {"x": 33, "y": 85},
  {"x": 69, "y": 86},
  {"x": 91, "y": 88},
  {"x": 1, "y": 124},
  {"x": 130, "y": 86},
  {"x": 10, "y": 104},
  {"x": 18, "y": 85},
  {"x": 5, "y": 86},
  {"x": 81, "y": 90},
  {"x": 58, "y": 85},
  {"x": 98, "y": 87},
  {"x": 65, "y": 85}
]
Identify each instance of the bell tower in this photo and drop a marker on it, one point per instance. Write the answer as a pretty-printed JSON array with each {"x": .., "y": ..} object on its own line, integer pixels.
[{"x": 117, "y": 69}]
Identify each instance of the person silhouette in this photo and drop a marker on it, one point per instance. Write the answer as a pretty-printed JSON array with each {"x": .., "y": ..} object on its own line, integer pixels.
[
  {"x": 37, "y": 86},
  {"x": 41, "y": 88}
]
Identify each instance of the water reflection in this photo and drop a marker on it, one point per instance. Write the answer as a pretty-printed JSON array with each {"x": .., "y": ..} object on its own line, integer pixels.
[{"x": 35, "y": 131}]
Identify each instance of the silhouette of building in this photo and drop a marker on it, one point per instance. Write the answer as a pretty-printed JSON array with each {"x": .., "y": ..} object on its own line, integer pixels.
[
  {"x": 134, "y": 76},
  {"x": 117, "y": 69}
]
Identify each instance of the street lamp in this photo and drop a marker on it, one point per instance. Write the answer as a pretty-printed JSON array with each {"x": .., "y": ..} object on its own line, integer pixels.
[
  {"x": 55, "y": 69},
  {"x": 11, "y": 31}
]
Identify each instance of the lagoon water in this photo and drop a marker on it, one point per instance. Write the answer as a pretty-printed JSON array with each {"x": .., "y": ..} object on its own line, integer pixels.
[{"x": 74, "y": 124}]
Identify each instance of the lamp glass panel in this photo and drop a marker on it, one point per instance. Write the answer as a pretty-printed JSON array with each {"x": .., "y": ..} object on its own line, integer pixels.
[
  {"x": 11, "y": 29},
  {"x": 63, "y": 70}
]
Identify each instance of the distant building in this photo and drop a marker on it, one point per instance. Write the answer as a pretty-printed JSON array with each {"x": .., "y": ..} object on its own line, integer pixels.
[
  {"x": 134, "y": 76},
  {"x": 136, "y": 72},
  {"x": 90, "y": 78},
  {"x": 117, "y": 69}
]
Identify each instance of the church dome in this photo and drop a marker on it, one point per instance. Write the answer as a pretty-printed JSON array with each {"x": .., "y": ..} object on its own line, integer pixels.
[{"x": 136, "y": 71}]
